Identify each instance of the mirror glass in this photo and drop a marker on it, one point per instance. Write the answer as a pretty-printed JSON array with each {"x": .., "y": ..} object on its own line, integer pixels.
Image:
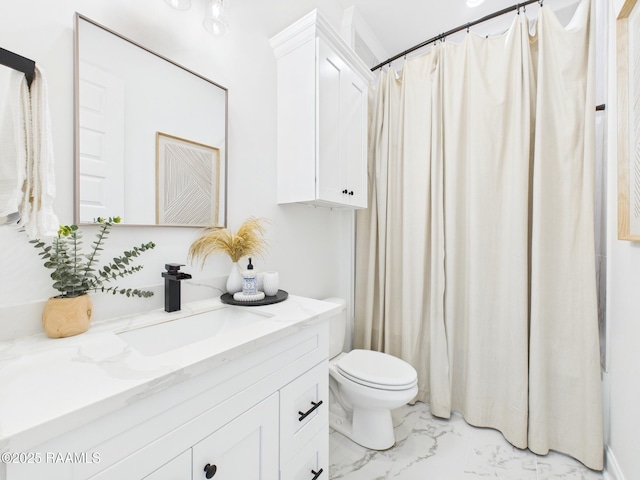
[{"x": 151, "y": 136}]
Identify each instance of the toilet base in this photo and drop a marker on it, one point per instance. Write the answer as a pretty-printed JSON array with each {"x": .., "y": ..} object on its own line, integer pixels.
[{"x": 370, "y": 428}]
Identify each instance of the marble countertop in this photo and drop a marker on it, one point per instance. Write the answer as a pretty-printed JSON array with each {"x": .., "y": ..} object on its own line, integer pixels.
[{"x": 52, "y": 386}]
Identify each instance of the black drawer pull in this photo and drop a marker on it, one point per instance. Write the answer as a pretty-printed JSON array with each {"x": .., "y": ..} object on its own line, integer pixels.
[
  {"x": 308, "y": 412},
  {"x": 316, "y": 474},
  {"x": 210, "y": 470}
]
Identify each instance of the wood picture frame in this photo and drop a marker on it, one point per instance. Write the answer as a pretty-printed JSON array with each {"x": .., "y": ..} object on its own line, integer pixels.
[
  {"x": 628, "y": 142},
  {"x": 187, "y": 182}
]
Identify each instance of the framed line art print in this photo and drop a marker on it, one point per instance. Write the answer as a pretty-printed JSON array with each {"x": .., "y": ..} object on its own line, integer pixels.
[
  {"x": 187, "y": 182},
  {"x": 628, "y": 86}
]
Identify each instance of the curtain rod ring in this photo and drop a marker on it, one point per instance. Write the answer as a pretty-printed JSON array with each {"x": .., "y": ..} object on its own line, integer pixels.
[{"x": 518, "y": 8}]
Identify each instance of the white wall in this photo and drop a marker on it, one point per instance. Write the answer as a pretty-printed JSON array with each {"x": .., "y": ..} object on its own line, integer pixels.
[
  {"x": 305, "y": 245},
  {"x": 622, "y": 383}
]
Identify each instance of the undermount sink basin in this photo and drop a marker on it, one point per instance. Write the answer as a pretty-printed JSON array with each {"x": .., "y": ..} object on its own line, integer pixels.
[{"x": 168, "y": 335}]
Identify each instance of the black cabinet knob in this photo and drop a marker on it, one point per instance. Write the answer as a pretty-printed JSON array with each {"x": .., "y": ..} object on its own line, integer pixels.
[
  {"x": 345, "y": 191},
  {"x": 351, "y": 192},
  {"x": 210, "y": 470}
]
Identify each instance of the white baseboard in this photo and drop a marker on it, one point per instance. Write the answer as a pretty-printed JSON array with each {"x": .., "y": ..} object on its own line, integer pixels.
[{"x": 612, "y": 470}]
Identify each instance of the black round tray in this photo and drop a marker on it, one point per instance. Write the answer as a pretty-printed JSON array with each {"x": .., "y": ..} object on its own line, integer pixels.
[{"x": 281, "y": 296}]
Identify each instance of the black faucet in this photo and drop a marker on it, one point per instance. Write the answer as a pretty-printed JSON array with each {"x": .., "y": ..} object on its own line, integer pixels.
[{"x": 172, "y": 278}]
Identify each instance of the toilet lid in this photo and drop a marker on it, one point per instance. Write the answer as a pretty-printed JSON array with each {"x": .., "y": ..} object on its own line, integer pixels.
[{"x": 378, "y": 370}]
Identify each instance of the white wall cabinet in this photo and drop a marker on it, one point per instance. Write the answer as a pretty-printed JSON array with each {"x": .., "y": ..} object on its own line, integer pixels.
[
  {"x": 262, "y": 416},
  {"x": 322, "y": 116}
]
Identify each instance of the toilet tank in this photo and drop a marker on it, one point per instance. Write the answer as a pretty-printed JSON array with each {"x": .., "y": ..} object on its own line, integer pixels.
[{"x": 337, "y": 327}]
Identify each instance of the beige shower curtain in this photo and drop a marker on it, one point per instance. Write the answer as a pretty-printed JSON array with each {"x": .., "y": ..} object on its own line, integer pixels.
[{"x": 475, "y": 260}]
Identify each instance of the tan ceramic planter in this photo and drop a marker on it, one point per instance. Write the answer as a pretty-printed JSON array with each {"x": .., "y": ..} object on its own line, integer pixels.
[{"x": 65, "y": 317}]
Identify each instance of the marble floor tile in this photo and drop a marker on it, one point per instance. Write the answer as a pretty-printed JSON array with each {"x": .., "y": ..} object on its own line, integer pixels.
[
  {"x": 561, "y": 467},
  {"x": 428, "y": 448}
]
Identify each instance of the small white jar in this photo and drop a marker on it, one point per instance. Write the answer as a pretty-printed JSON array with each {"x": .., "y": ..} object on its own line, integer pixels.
[{"x": 271, "y": 283}]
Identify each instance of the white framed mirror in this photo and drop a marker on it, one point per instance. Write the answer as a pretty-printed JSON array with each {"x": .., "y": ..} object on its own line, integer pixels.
[{"x": 151, "y": 135}]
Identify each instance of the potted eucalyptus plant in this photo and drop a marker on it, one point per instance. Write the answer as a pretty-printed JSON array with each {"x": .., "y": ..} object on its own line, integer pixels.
[{"x": 75, "y": 274}]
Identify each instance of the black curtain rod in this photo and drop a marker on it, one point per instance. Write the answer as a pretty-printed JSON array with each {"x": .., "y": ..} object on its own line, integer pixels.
[
  {"x": 18, "y": 62},
  {"x": 456, "y": 30}
]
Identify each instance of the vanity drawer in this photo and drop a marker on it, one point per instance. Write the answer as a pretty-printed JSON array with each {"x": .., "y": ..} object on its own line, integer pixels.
[
  {"x": 311, "y": 462},
  {"x": 304, "y": 410}
]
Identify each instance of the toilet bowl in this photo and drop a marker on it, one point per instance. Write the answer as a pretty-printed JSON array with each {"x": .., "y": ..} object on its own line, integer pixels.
[{"x": 364, "y": 386}]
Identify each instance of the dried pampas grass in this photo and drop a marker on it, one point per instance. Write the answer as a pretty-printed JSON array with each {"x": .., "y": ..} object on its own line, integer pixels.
[{"x": 246, "y": 241}]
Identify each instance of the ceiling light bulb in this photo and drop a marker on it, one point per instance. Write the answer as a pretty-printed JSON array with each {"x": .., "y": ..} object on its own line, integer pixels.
[
  {"x": 216, "y": 27},
  {"x": 179, "y": 4},
  {"x": 215, "y": 18}
]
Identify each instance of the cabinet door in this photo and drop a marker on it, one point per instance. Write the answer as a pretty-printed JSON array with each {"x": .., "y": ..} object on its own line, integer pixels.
[
  {"x": 177, "y": 469},
  {"x": 331, "y": 74},
  {"x": 244, "y": 449},
  {"x": 354, "y": 139},
  {"x": 342, "y": 131}
]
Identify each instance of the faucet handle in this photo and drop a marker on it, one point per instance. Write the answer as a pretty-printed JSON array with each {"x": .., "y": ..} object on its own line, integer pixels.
[{"x": 173, "y": 267}]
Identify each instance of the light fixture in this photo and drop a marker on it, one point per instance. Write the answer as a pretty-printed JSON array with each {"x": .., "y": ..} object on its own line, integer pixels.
[
  {"x": 179, "y": 4},
  {"x": 215, "y": 17},
  {"x": 474, "y": 3},
  {"x": 215, "y": 14}
]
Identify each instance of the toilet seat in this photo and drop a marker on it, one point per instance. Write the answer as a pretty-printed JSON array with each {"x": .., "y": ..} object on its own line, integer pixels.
[{"x": 377, "y": 370}]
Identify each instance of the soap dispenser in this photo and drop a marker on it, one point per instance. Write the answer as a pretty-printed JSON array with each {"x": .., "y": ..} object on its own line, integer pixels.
[{"x": 249, "y": 281}]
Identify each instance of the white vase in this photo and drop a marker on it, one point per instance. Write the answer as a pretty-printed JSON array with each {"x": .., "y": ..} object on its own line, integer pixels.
[
  {"x": 270, "y": 283},
  {"x": 234, "y": 281}
]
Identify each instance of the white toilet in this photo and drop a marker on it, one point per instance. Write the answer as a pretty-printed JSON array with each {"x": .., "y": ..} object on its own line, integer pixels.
[{"x": 364, "y": 386}]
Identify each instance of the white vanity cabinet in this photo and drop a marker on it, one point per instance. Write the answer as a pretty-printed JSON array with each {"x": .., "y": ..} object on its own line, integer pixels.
[
  {"x": 304, "y": 416},
  {"x": 322, "y": 119},
  {"x": 245, "y": 448},
  {"x": 176, "y": 469},
  {"x": 242, "y": 449},
  {"x": 262, "y": 415}
]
